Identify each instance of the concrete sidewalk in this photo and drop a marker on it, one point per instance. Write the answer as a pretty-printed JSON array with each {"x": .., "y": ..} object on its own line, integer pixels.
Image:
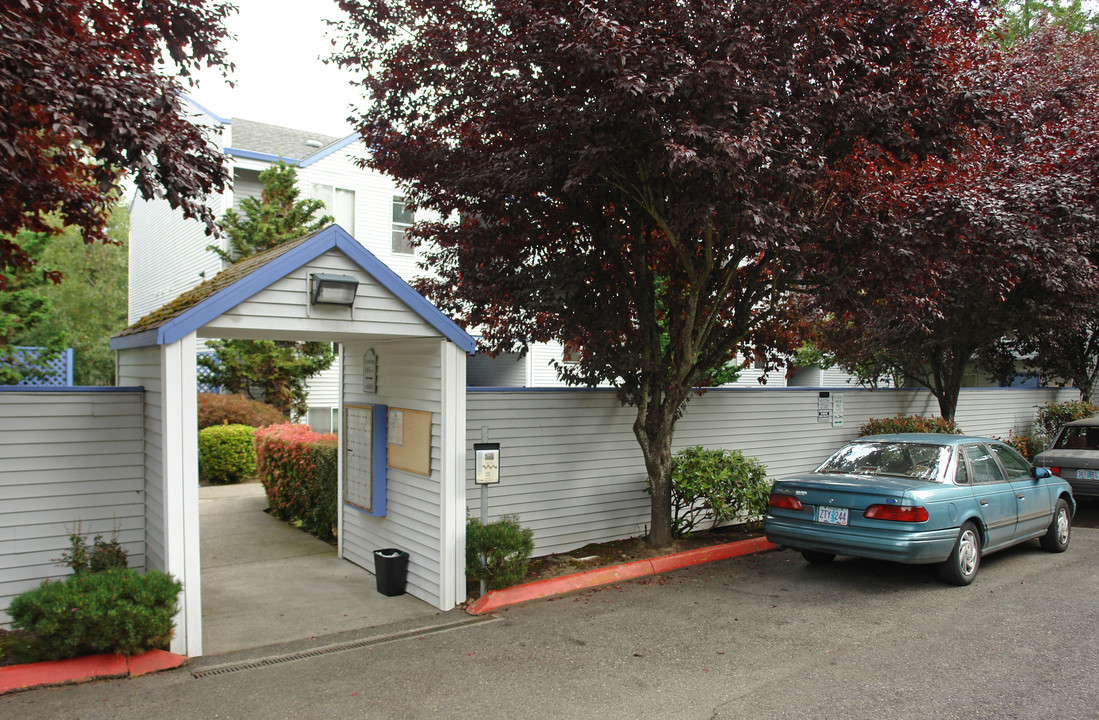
[{"x": 264, "y": 582}]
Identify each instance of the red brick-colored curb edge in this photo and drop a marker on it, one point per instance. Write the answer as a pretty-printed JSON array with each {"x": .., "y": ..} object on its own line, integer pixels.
[
  {"x": 85, "y": 669},
  {"x": 496, "y": 599}
]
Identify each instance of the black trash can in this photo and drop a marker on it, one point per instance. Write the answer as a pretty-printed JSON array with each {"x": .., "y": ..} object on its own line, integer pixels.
[{"x": 391, "y": 571}]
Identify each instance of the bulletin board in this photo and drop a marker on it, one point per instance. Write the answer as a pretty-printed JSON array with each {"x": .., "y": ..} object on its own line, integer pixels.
[{"x": 409, "y": 441}]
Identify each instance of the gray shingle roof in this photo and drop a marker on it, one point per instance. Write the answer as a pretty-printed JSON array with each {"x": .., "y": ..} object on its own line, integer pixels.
[{"x": 276, "y": 140}]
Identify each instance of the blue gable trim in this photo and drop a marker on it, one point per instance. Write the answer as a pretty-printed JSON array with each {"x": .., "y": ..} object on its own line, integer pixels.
[
  {"x": 331, "y": 237},
  {"x": 253, "y": 155},
  {"x": 202, "y": 108},
  {"x": 339, "y": 145}
]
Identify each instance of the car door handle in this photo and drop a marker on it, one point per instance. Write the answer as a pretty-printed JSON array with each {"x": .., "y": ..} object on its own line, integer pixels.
[
  {"x": 984, "y": 503},
  {"x": 1021, "y": 496}
]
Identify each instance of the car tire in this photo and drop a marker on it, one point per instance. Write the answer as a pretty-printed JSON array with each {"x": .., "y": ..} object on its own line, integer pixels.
[
  {"x": 965, "y": 559},
  {"x": 1060, "y": 529},
  {"x": 815, "y": 557}
]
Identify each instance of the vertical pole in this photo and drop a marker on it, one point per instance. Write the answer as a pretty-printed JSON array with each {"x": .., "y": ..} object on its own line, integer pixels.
[{"x": 484, "y": 510}]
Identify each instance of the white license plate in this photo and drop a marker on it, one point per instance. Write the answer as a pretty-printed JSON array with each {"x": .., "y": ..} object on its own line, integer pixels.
[
  {"x": 832, "y": 515},
  {"x": 1087, "y": 474}
]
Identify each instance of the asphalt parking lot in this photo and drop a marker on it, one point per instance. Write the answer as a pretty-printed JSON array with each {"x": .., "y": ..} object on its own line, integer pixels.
[{"x": 762, "y": 636}]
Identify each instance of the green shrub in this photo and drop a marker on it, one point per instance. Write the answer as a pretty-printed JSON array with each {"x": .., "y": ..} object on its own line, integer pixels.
[
  {"x": 103, "y": 555},
  {"x": 908, "y": 424},
  {"x": 226, "y": 453},
  {"x": 298, "y": 469},
  {"x": 214, "y": 409},
  {"x": 716, "y": 486},
  {"x": 114, "y": 611},
  {"x": 506, "y": 547},
  {"x": 1051, "y": 416}
]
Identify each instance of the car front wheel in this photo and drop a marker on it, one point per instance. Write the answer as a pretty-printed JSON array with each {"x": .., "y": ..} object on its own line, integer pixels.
[
  {"x": 961, "y": 567},
  {"x": 1060, "y": 529}
]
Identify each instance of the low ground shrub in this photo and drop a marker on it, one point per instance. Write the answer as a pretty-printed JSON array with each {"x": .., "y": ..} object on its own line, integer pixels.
[
  {"x": 298, "y": 469},
  {"x": 908, "y": 424},
  {"x": 715, "y": 486},
  {"x": 1028, "y": 445},
  {"x": 102, "y": 555},
  {"x": 1051, "y": 416},
  {"x": 226, "y": 453},
  {"x": 506, "y": 547},
  {"x": 215, "y": 409},
  {"x": 115, "y": 611}
]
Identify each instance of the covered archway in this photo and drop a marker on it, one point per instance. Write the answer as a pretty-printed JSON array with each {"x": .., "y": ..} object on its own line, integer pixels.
[{"x": 402, "y": 388}]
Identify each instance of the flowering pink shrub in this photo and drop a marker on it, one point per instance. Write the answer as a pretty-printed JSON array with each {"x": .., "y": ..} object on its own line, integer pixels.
[{"x": 298, "y": 469}]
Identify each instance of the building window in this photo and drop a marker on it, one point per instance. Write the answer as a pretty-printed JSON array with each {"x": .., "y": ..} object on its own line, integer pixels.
[
  {"x": 339, "y": 203},
  {"x": 571, "y": 354},
  {"x": 402, "y": 221}
]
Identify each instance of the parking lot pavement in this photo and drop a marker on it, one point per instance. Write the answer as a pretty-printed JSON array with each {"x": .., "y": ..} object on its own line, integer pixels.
[{"x": 761, "y": 636}]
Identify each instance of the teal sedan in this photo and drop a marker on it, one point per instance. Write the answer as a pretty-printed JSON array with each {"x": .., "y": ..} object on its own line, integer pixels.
[{"x": 921, "y": 498}]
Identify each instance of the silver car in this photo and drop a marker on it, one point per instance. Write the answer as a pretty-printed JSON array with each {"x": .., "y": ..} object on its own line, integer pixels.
[{"x": 1074, "y": 455}]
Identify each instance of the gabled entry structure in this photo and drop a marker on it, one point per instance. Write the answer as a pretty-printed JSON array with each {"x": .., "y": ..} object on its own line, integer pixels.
[{"x": 402, "y": 398}]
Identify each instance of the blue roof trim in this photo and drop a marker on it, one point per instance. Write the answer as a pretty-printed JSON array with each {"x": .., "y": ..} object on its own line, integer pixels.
[
  {"x": 253, "y": 155},
  {"x": 331, "y": 237},
  {"x": 204, "y": 109},
  {"x": 404, "y": 292},
  {"x": 338, "y": 145}
]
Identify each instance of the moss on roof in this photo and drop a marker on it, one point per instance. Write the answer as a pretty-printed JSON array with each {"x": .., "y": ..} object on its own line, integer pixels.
[{"x": 208, "y": 289}]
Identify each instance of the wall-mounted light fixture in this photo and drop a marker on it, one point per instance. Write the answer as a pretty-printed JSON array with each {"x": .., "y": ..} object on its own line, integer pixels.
[{"x": 325, "y": 289}]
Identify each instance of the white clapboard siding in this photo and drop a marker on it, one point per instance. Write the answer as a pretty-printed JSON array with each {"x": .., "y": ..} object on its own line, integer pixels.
[
  {"x": 572, "y": 471},
  {"x": 69, "y": 461},
  {"x": 409, "y": 377},
  {"x": 284, "y": 307}
]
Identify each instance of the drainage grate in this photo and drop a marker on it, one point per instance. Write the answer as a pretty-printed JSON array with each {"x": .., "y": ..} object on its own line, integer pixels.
[{"x": 329, "y": 649}]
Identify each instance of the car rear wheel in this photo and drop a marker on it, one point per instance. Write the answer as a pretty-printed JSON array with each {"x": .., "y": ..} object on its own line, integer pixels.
[
  {"x": 961, "y": 567},
  {"x": 817, "y": 558},
  {"x": 1060, "y": 529}
]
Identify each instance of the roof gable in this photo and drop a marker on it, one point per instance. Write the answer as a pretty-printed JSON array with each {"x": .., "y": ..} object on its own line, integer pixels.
[{"x": 202, "y": 304}]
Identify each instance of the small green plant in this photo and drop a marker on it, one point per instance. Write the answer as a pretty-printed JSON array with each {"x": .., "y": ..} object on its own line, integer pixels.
[
  {"x": 716, "y": 486},
  {"x": 114, "y": 611},
  {"x": 1051, "y": 416},
  {"x": 506, "y": 547},
  {"x": 103, "y": 555},
  {"x": 226, "y": 453},
  {"x": 908, "y": 424}
]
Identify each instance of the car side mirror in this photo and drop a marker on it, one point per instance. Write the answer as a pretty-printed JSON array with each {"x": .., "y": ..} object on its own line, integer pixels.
[{"x": 1040, "y": 473}]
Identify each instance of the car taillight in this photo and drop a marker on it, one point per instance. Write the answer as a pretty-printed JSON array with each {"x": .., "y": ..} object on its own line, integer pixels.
[
  {"x": 899, "y": 513},
  {"x": 787, "y": 502},
  {"x": 1055, "y": 471}
]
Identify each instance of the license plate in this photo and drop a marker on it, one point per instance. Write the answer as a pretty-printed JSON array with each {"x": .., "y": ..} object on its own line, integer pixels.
[
  {"x": 832, "y": 515},
  {"x": 1087, "y": 474}
]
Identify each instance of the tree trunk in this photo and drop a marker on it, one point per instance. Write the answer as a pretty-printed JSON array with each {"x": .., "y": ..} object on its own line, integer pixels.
[{"x": 654, "y": 429}]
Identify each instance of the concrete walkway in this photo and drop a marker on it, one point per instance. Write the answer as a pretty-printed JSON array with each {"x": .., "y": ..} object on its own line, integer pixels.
[{"x": 264, "y": 582}]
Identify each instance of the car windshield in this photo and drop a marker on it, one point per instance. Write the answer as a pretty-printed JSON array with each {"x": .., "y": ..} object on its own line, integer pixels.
[{"x": 897, "y": 459}]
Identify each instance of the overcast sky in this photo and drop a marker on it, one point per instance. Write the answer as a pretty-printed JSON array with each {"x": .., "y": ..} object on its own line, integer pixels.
[{"x": 279, "y": 75}]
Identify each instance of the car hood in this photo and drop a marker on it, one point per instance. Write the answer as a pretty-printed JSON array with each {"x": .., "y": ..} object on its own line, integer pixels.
[{"x": 1072, "y": 458}]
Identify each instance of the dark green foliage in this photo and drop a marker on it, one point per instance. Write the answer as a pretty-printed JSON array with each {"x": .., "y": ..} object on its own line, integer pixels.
[
  {"x": 275, "y": 372},
  {"x": 908, "y": 424},
  {"x": 506, "y": 548},
  {"x": 716, "y": 486},
  {"x": 1052, "y": 416},
  {"x": 114, "y": 611},
  {"x": 226, "y": 453},
  {"x": 103, "y": 555},
  {"x": 214, "y": 409},
  {"x": 1028, "y": 444},
  {"x": 276, "y": 217},
  {"x": 298, "y": 469}
]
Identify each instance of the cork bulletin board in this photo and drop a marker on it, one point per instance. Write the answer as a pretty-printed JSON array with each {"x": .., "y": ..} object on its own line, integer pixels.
[{"x": 409, "y": 441}]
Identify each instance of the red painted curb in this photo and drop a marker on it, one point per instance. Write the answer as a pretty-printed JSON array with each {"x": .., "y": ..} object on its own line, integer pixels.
[
  {"x": 85, "y": 669},
  {"x": 496, "y": 599}
]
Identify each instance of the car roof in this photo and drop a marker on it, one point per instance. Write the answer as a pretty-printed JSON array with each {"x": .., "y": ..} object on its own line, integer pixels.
[
  {"x": 926, "y": 438},
  {"x": 1085, "y": 422}
]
